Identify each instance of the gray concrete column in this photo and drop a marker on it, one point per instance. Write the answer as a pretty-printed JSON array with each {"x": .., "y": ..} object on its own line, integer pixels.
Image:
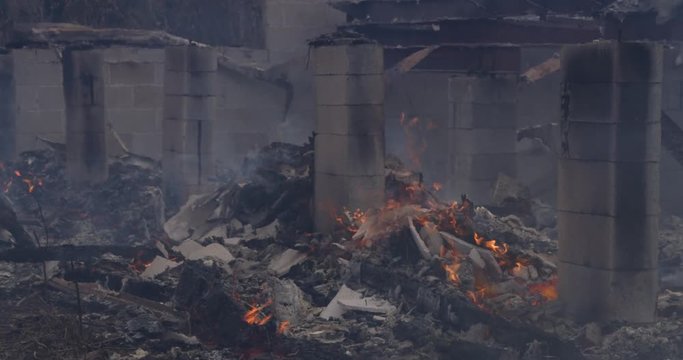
[
  {"x": 7, "y": 108},
  {"x": 482, "y": 133},
  {"x": 349, "y": 142},
  {"x": 608, "y": 181},
  {"x": 86, "y": 148},
  {"x": 189, "y": 112}
]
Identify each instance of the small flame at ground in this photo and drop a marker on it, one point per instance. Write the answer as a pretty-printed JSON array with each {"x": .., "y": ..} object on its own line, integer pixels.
[
  {"x": 437, "y": 186},
  {"x": 547, "y": 290},
  {"x": 452, "y": 266},
  {"x": 255, "y": 315},
  {"x": 283, "y": 327}
]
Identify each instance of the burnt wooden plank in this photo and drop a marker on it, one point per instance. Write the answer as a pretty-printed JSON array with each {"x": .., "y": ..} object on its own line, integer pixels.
[{"x": 478, "y": 31}]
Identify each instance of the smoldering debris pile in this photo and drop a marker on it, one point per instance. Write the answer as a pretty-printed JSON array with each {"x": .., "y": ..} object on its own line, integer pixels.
[{"x": 238, "y": 273}]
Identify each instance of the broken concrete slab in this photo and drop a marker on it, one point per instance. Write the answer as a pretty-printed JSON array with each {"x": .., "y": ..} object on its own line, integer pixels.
[
  {"x": 334, "y": 310},
  {"x": 187, "y": 247},
  {"x": 281, "y": 264},
  {"x": 191, "y": 220},
  {"x": 158, "y": 266},
  {"x": 371, "y": 305},
  {"x": 430, "y": 235},
  {"x": 213, "y": 251}
]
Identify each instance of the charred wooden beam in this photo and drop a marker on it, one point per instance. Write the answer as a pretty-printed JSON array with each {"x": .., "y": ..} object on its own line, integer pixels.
[
  {"x": 468, "y": 58},
  {"x": 387, "y": 11},
  {"x": 73, "y": 253},
  {"x": 477, "y": 31}
]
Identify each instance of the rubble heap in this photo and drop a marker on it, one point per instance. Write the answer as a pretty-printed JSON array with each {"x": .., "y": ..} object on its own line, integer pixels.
[{"x": 237, "y": 273}]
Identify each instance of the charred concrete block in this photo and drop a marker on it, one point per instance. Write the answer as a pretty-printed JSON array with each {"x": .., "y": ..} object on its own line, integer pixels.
[
  {"x": 350, "y": 120},
  {"x": 178, "y": 107},
  {"x": 354, "y": 59},
  {"x": 611, "y": 61},
  {"x": 590, "y": 294},
  {"x": 131, "y": 73},
  {"x": 608, "y": 177},
  {"x": 191, "y": 58},
  {"x": 349, "y": 155},
  {"x": 613, "y": 142},
  {"x": 190, "y": 83},
  {"x": 187, "y": 136},
  {"x": 86, "y": 157},
  {"x": 608, "y": 188},
  {"x": 349, "y": 89},
  {"x": 607, "y": 242}
]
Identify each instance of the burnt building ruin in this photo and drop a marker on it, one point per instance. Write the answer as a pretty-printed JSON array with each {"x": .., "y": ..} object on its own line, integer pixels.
[{"x": 369, "y": 179}]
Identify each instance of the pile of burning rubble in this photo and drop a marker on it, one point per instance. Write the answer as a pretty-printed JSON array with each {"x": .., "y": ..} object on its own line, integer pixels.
[{"x": 238, "y": 273}]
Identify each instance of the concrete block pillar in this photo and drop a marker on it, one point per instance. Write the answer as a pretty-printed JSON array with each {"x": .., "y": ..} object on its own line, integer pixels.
[
  {"x": 482, "y": 133},
  {"x": 86, "y": 148},
  {"x": 608, "y": 181},
  {"x": 7, "y": 108},
  {"x": 189, "y": 112},
  {"x": 349, "y": 142}
]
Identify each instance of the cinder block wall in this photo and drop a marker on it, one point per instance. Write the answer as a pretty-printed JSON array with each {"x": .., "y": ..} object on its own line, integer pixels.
[
  {"x": 672, "y": 103},
  {"x": 248, "y": 113},
  {"x": 288, "y": 24},
  {"x": 134, "y": 80},
  {"x": 39, "y": 97}
]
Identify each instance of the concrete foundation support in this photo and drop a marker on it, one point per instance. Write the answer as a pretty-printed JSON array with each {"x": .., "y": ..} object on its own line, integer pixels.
[
  {"x": 482, "y": 133},
  {"x": 7, "y": 108},
  {"x": 608, "y": 181},
  {"x": 189, "y": 112},
  {"x": 86, "y": 148},
  {"x": 349, "y": 143}
]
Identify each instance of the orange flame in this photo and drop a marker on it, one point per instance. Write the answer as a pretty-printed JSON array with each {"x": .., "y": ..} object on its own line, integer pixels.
[
  {"x": 499, "y": 250},
  {"x": 478, "y": 239},
  {"x": 477, "y": 297},
  {"x": 17, "y": 173},
  {"x": 283, "y": 327},
  {"x": 547, "y": 290},
  {"x": 452, "y": 266},
  {"x": 255, "y": 315}
]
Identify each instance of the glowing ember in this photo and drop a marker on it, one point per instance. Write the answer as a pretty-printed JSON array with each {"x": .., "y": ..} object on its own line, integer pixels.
[
  {"x": 477, "y": 297},
  {"x": 547, "y": 290},
  {"x": 437, "y": 186},
  {"x": 29, "y": 184},
  {"x": 17, "y": 173},
  {"x": 283, "y": 327},
  {"x": 255, "y": 315}
]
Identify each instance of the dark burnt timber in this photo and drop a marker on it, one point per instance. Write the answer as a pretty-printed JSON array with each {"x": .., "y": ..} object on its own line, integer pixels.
[
  {"x": 462, "y": 57},
  {"x": 478, "y": 31},
  {"x": 387, "y": 11},
  {"x": 71, "y": 252}
]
